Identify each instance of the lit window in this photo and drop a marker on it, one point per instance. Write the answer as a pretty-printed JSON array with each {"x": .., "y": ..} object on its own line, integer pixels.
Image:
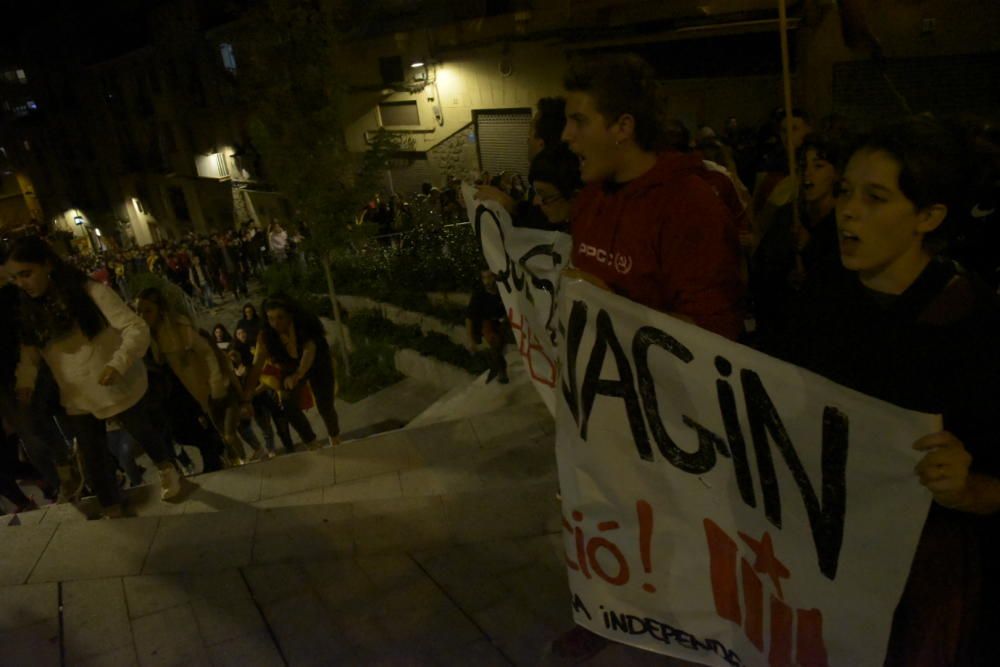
[
  {"x": 228, "y": 57},
  {"x": 27, "y": 146},
  {"x": 21, "y": 76},
  {"x": 31, "y": 105}
]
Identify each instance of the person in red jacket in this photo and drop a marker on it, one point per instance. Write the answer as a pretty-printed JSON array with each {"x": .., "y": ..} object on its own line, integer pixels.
[{"x": 647, "y": 225}]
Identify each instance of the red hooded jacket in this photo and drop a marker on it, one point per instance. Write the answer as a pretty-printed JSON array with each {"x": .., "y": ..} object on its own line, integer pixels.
[{"x": 664, "y": 240}]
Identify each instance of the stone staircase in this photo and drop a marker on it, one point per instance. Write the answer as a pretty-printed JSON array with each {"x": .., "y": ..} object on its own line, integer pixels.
[{"x": 432, "y": 544}]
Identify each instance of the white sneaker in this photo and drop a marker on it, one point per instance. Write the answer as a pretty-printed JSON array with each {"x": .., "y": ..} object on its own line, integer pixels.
[
  {"x": 170, "y": 482},
  {"x": 112, "y": 512}
]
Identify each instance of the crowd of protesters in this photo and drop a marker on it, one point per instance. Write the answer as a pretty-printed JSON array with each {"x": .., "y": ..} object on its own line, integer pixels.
[
  {"x": 876, "y": 265},
  {"x": 93, "y": 375},
  {"x": 206, "y": 267}
]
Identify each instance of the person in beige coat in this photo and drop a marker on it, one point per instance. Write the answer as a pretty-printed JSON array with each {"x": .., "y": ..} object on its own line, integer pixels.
[{"x": 201, "y": 368}]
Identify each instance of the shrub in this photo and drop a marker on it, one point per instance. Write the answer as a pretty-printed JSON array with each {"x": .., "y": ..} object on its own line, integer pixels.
[
  {"x": 371, "y": 327},
  {"x": 373, "y": 368}
]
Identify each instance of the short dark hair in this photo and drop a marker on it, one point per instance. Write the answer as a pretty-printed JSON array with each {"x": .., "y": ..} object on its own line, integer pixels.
[
  {"x": 557, "y": 165},
  {"x": 551, "y": 120},
  {"x": 621, "y": 84},
  {"x": 833, "y": 149},
  {"x": 934, "y": 165},
  {"x": 676, "y": 135}
]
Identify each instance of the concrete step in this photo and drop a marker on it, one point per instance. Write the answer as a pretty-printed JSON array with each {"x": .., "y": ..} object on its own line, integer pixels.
[
  {"x": 479, "y": 397},
  {"x": 501, "y": 449}
]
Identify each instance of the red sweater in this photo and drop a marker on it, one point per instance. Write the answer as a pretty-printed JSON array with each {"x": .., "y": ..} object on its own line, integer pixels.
[{"x": 664, "y": 240}]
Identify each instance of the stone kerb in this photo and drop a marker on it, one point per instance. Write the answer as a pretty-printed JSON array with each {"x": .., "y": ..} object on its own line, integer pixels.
[
  {"x": 396, "y": 315},
  {"x": 449, "y": 298}
]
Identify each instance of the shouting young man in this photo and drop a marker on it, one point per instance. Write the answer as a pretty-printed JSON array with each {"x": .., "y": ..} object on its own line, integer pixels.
[{"x": 647, "y": 224}]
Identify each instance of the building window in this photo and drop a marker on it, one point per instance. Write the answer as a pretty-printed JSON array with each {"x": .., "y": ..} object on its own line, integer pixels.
[
  {"x": 21, "y": 76},
  {"x": 31, "y": 105},
  {"x": 179, "y": 203},
  {"x": 212, "y": 165},
  {"x": 15, "y": 76},
  {"x": 228, "y": 57},
  {"x": 398, "y": 114}
]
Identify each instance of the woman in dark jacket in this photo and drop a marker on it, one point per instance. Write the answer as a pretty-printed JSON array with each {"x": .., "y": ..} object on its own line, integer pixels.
[
  {"x": 294, "y": 342},
  {"x": 250, "y": 322},
  {"x": 907, "y": 327},
  {"x": 789, "y": 256}
]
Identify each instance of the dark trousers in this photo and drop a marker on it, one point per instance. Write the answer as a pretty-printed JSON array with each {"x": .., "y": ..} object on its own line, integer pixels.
[
  {"x": 321, "y": 380},
  {"x": 493, "y": 332},
  {"x": 92, "y": 441},
  {"x": 181, "y": 419},
  {"x": 8, "y": 472},
  {"x": 37, "y": 427},
  {"x": 266, "y": 411},
  {"x": 289, "y": 413}
]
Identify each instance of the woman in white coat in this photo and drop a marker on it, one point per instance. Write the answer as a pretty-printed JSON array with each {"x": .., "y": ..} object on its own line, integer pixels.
[{"x": 93, "y": 344}]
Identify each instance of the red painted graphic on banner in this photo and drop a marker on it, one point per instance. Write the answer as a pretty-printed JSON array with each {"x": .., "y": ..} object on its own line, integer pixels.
[
  {"x": 810, "y": 648},
  {"x": 587, "y": 560},
  {"x": 531, "y": 349}
]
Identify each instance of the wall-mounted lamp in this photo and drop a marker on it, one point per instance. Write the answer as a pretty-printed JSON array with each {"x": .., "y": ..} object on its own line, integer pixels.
[
  {"x": 416, "y": 64},
  {"x": 78, "y": 219}
]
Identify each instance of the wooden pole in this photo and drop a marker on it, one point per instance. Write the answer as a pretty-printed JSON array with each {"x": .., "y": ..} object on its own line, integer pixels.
[{"x": 786, "y": 71}]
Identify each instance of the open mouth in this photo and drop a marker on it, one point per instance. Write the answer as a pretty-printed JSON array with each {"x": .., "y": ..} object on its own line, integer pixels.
[{"x": 849, "y": 242}]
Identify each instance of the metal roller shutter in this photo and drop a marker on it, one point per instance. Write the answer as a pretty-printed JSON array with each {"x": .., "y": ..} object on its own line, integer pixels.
[{"x": 503, "y": 140}]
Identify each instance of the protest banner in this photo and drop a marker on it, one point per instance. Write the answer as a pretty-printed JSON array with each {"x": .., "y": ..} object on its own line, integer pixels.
[
  {"x": 527, "y": 263},
  {"x": 722, "y": 506}
]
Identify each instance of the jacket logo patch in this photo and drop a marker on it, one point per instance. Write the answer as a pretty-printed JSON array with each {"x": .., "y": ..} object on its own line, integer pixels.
[{"x": 621, "y": 263}]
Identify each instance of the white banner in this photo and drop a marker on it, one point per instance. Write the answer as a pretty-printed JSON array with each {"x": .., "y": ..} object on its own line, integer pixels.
[
  {"x": 722, "y": 506},
  {"x": 528, "y": 263}
]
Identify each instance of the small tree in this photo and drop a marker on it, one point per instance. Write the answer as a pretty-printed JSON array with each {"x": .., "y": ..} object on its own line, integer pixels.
[{"x": 296, "y": 106}]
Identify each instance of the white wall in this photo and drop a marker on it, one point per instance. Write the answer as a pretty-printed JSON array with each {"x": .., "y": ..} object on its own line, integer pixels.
[{"x": 468, "y": 81}]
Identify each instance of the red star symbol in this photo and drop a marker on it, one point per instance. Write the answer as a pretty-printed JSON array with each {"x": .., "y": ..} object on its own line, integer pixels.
[{"x": 767, "y": 563}]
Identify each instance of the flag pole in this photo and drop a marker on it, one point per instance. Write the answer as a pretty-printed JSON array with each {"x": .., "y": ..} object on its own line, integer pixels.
[{"x": 786, "y": 71}]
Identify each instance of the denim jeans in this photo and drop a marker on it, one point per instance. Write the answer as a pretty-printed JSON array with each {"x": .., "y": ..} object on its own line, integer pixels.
[{"x": 125, "y": 449}]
